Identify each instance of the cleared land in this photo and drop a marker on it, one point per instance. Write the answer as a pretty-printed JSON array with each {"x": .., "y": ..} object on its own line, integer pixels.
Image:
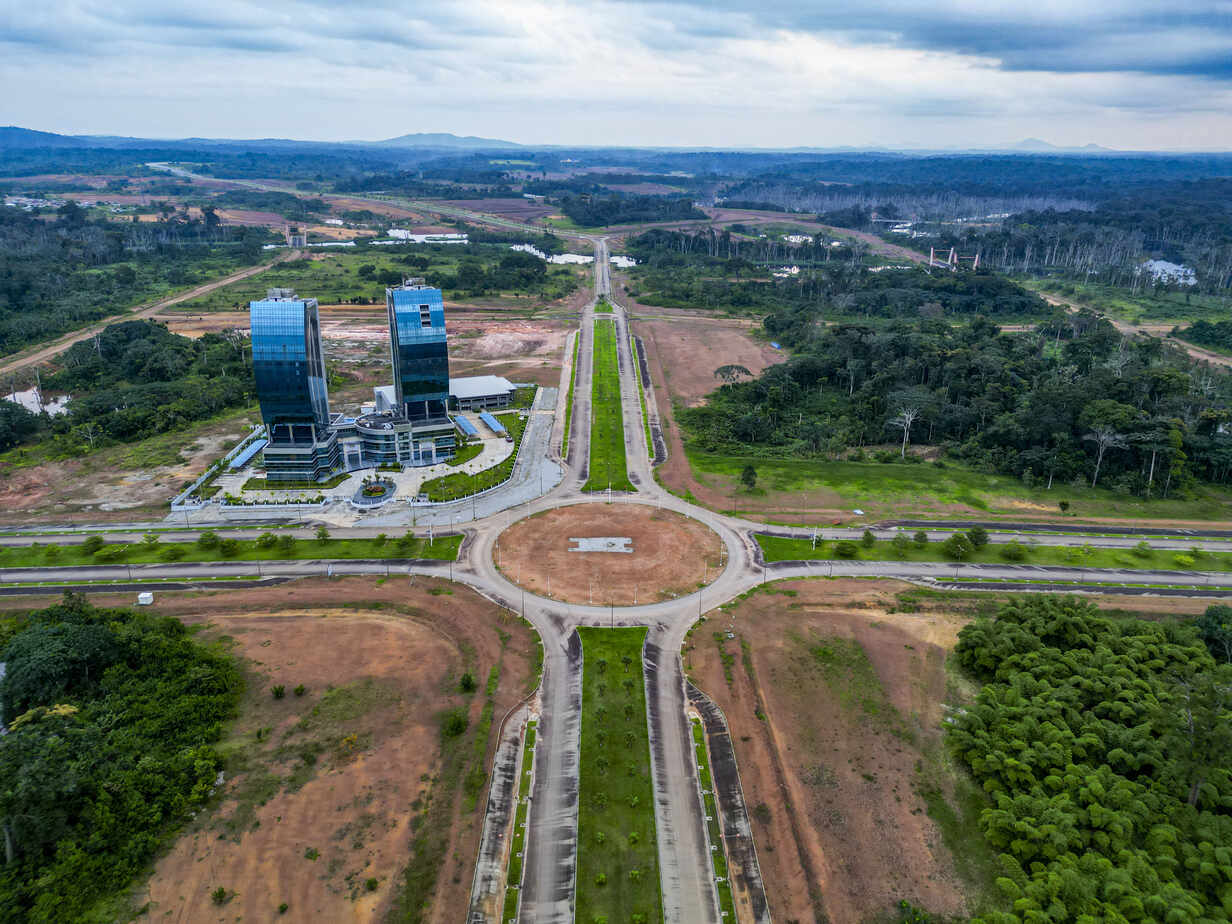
[
  {"x": 607, "y": 468},
  {"x": 672, "y": 555},
  {"x": 618, "y": 859},
  {"x": 835, "y": 708},
  {"x": 358, "y": 779}
]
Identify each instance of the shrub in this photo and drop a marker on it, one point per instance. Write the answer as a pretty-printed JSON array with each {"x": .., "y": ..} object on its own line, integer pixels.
[
  {"x": 901, "y": 545},
  {"x": 311, "y": 853},
  {"x": 286, "y": 543},
  {"x": 1013, "y": 551},
  {"x": 380, "y": 539},
  {"x": 267, "y": 541},
  {"x": 958, "y": 547},
  {"x": 1142, "y": 550},
  {"x": 978, "y": 536},
  {"x": 467, "y": 683},
  {"x": 846, "y": 550},
  {"x": 371, "y": 884},
  {"x": 208, "y": 540},
  {"x": 920, "y": 539},
  {"x": 229, "y": 548},
  {"x": 1064, "y": 505},
  {"x": 300, "y": 690},
  {"x": 150, "y": 539},
  {"x": 52, "y": 553},
  {"x": 92, "y": 544},
  {"x": 282, "y": 909},
  {"x": 322, "y": 534},
  {"x": 1183, "y": 561},
  {"x": 219, "y": 896},
  {"x": 868, "y": 540},
  {"x": 278, "y": 690},
  {"x": 171, "y": 553},
  {"x": 454, "y": 723}
]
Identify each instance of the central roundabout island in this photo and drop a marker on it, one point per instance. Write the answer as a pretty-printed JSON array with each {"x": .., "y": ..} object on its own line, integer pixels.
[{"x": 609, "y": 554}]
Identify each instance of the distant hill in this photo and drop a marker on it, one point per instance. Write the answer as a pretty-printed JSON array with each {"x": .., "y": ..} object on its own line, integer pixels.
[
  {"x": 13, "y": 137},
  {"x": 441, "y": 140}
]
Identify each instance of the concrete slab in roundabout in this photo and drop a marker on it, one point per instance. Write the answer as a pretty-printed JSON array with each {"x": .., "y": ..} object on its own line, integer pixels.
[{"x": 620, "y": 554}]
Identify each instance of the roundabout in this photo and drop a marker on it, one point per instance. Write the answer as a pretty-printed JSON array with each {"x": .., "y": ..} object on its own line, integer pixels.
[{"x": 609, "y": 554}]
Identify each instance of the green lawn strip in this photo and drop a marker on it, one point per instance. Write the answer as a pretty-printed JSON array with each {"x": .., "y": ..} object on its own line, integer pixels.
[
  {"x": 603, "y": 306},
  {"x": 264, "y": 484},
  {"x": 924, "y": 489},
  {"x": 718, "y": 854},
  {"x": 564, "y": 444},
  {"x": 641, "y": 394},
  {"x": 443, "y": 548},
  {"x": 777, "y": 548},
  {"x": 607, "y": 431},
  {"x": 460, "y": 484},
  {"x": 465, "y": 454},
  {"x": 617, "y": 855}
]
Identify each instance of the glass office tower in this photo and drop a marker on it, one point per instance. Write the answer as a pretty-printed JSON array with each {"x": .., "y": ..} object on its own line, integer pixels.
[
  {"x": 289, "y": 368},
  {"x": 420, "y": 353}
]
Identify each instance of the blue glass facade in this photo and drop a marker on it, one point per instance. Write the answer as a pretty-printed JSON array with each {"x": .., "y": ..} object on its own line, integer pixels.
[
  {"x": 289, "y": 369},
  {"x": 419, "y": 351}
]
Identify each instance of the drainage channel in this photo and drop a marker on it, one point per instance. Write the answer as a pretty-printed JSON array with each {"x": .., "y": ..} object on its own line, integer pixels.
[{"x": 737, "y": 831}]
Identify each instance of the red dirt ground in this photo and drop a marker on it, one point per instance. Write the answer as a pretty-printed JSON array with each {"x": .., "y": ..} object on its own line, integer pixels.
[
  {"x": 844, "y": 819},
  {"x": 404, "y": 648},
  {"x": 671, "y": 554}
]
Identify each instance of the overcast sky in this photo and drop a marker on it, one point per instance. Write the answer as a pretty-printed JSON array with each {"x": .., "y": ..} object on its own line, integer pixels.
[{"x": 1132, "y": 74}]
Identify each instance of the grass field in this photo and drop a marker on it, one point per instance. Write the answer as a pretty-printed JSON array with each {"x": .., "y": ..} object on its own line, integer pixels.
[
  {"x": 333, "y": 276},
  {"x": 607, "y": 429},
  {"x": 617, "y": 857},
  {"x": 892, "y": 489},
  {"x": 513, "y": 878},
  {"x": 641, "y": 395},
  {"x": 460, "y": 484},
  {"x": 264, "y": 484},
  {"x": 285, "y": 548},
  {"x": 465, "y": 454},
  {"x": 776, "y": 548},
  {"x": 717, "y": 854}
]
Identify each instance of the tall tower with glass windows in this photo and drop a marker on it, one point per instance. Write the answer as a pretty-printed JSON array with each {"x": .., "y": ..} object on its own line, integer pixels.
[{"x": 419, "y": 350}]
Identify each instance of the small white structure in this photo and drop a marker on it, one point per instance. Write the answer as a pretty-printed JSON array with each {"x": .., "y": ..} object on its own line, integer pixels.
[
  {"x": 145, "y": 598},
  {"x": 602, "y": 544},
  {"x": 480, "y": 391},
  {"x": 1170, "y": 274}
]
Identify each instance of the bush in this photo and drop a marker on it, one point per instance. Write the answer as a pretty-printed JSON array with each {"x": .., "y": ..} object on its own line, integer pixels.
[
  {"x": 278, "y": 690},
  {"x": 92, "y": 544},
  {"x": 454, "y": 723},
  {"x": 286, "y": 543},
  {"x": 1064, "y": 505},
  {"x": 219, "y": 896},
  {"x": 229, "y": 548},
  {"x": 920, "y": 539},
  {"x": 171, "y": 553},
  {"x": 322, "y": 534},
  {"x": 282, "y": 909},
  {"x": 150, "y": 539},
  {"x": 371, "y": 884},
  {"x": 467, "y": 683},
  {"x": 1142, "y": 550},
  {"x": 208, "y": 540},
  {"x": 1013, "y": 551},
  {"x": 846, "y": 550},
  {"x": 300, "y": 690},
  {"x": 1183, "y": 561},
  {"x": 958, "y": 547},
  {"x": 901, "y": 545},
  {"x": 978, "y": 536},
  {"x": 266, "y": 541},
  {"x": 380, "y": 539},
  {"x": 868, "y": 540}
]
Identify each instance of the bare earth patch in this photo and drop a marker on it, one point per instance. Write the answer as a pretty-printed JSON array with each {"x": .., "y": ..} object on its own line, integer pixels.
[
  {"x": 671, "y": 554},
  {"x": 851, "y": 695},
  {"x": 379, "y": 672}
]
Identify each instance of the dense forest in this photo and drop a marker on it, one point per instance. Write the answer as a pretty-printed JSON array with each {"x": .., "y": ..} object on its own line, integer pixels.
[
  {"x": 296, "y": 208},
  {"x": 136, "y": 379},
  {"x": 112, "y": 715},
  {"x": 598, "y": 211},
  {"x": 61, "y": 274},
  {"x": 1104, "y": 746},
  {"x": 718, "y": 270},
  {"x": 1070, "y": 400}
]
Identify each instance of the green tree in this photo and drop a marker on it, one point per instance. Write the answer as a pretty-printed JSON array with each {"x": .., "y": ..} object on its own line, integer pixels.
[{"x": 748, "y": 477}]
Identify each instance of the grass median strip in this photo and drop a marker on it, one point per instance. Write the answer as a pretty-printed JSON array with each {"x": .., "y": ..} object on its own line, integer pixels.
[
  {"x": 617, "y": 859},
  {"x": 607, "y": 429},
  {"x": 711, "y": 807},
  {"x": 641, "y": 394},
  {"x": 210, "y": 548},
  {"x": 1139, "y": 558}
]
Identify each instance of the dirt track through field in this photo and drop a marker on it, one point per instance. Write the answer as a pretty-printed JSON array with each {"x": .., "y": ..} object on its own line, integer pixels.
[{"x": 56, "y": 347}]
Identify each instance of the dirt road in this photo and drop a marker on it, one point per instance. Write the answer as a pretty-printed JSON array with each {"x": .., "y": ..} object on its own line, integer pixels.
[
  {"x": 56, "y": 347},
  {"x": 1149, "y": 330}
]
